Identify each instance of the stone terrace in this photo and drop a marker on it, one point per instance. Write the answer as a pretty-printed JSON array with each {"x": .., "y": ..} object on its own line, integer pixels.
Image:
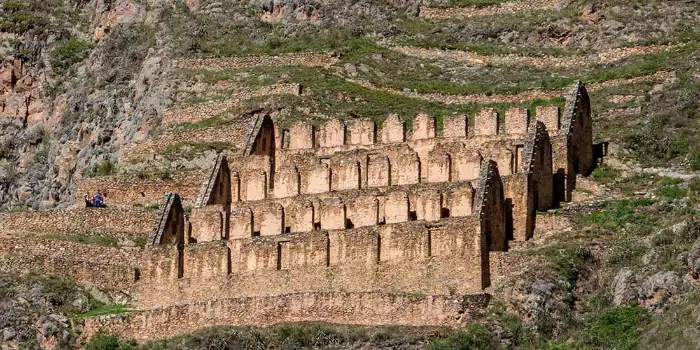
[
  {"x": 120, "y": 223},
  {"x": 130, "y": 190}
]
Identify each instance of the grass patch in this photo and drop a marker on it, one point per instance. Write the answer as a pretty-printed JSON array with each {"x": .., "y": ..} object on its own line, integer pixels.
[
  {"x": 104, "y": 341},
  {"x": 68, "y": 53},
  {"x": 617, "y": 329},
  {"x": 85, "y": 239},
  {"x": 104, "y": 168},
  {"x": 473, "y": 337},
  {"x": 605, "y": 174},
  {"x": 671, "y": 188},
  {"x": 615, "y": 214},
  {"x": 204, "y": 123}
]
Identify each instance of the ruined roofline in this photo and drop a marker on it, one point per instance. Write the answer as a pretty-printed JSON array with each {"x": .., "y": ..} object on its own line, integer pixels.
[
  {"x": 351, "y": 210},
  {"x": 537, "y": 134},
  {"x": 172, "y": 202},
  {"x": 488, "y": 173},
  {"x": 364, "y": 191},
  {"x": 209, "y": 184},
  {"x": 276, "y": 237},
  {"x": 357, "y": 173},
  {"x": 253, "y": 133},
  {"x": 336, "y": 133},
  {"x": 576, "y": 97}
]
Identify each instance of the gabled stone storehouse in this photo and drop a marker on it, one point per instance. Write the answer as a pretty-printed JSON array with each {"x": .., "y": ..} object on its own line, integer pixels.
[{"x": 353, "y": 223}]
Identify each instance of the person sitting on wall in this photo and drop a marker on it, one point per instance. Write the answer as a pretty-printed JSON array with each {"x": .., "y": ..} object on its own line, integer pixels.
[
  {"x": 97, "y": 202},
  {"x": 88, "y": 201}
]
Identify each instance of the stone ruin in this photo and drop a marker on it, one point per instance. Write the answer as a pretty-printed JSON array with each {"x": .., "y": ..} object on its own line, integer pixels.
[{"x": 350, "y": 222}]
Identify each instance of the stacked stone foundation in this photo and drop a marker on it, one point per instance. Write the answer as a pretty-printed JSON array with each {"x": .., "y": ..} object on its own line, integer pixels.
[{"x": 367, "y": 308}]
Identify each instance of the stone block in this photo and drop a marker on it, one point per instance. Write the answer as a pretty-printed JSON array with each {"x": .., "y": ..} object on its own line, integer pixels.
[
  {"x": 301, "y": 136},
  {"x": 550, "y": 116},
  {"x": 405, "y": 168},
  {"x": 346, "y": 175},
  {"x": 286, "y": 182},
  {"x": 517, "y": 121},
  {"x": 241, "y": 223},
  {"x": 396, "y": 208},
  {"x": 332, "y": 133},
  {"x": 486, "y": 122},
  {"x": 272, "y": 220},
  {"x": 333, "y": 214},
  {"x": 439, "y": 167},
  {"x": 318, "y": 179},
  {"x": 393, "y": 130},
  {"x": 256, "y": 185},
  {"x": 299, "y": 216},
  {"x": 454, "y": 126},
  {"x": 428, "y": 204},
  {"x": 363, "y": 211},
  {"x": 362, "y": 131},
  {"x": 460, "y": 201},
  {"x": 378, "y": 171},
  {"x": 423, "y": 127}
]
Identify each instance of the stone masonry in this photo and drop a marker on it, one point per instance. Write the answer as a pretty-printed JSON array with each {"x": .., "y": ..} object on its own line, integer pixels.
[{"x": 351, "y": 222}]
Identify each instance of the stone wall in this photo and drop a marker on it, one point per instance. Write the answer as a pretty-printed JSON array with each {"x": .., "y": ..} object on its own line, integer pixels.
[
  {"x": 132, "y": 190},
  {"x": 403, "y": 257},
  {"x": 292, "y": 59},
  {"x": 381, "y": 167},
  {"x": 366, "y": 308},
  {"x": 360, "y": 206},
  {"x": 235, "y": 132},
  {"x": 109, "y": 268},
  {"x": 120, "y": 223},
  {"x": 201, "y": 111}
]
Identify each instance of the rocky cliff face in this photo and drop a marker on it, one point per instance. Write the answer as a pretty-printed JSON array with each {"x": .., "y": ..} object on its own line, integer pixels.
[{"x": 79, "y": 82}]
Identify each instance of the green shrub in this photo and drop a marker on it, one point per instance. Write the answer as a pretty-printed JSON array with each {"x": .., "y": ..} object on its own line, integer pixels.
[
  {"x": 103, "y": 341},
  {"x": 141, "y": 241},
  {"x": 623, "y": 249},
  {"x": 616, "y": 329},
  {"x": 671, "y": 188},
  {"x": 86, "y": 239},
  {"x": 471, "y": 338},
  {"x": 664, "y": 237},
  {"x": 141, "y": 174},
  {"x": 695, "y": 160},
  {"x": 165, "y": 174},
  {"x": 105, "y": 168},
  {"x": 69, "y": 52},
  {"x": 605, "y": 174},
  {"x": 694, "y": 185}
]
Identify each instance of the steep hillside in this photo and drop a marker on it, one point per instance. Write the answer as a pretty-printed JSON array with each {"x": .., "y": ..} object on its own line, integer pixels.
[
  {"x": 97, "y": 94},
  {"x": 87, "y": 85}
]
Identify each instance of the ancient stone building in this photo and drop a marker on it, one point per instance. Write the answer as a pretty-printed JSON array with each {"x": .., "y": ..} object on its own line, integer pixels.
[{"x": 351, "y": 222}]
